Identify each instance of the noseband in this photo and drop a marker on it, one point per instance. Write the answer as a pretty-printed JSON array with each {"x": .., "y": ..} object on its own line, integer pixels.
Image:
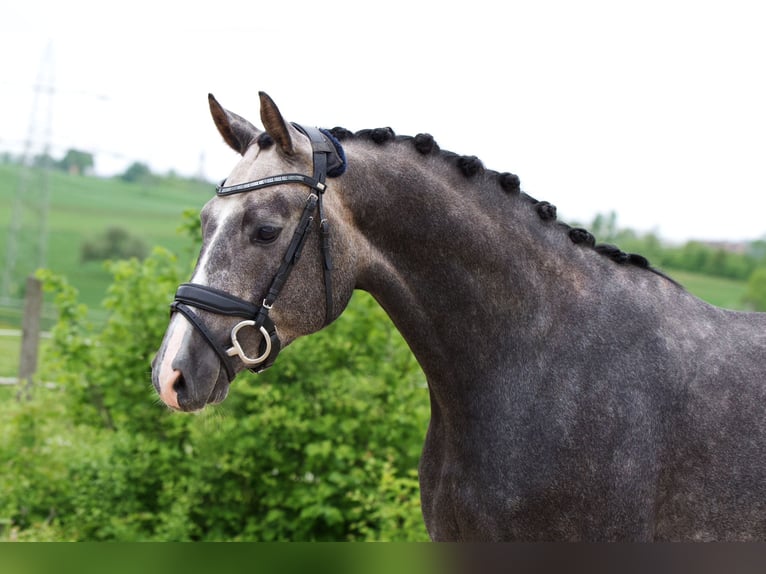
[{"x": 329, "y": 161}]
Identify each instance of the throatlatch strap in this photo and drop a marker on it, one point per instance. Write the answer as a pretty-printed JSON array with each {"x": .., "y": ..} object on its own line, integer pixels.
[
  {"x": 324, "y": 230},
  {"x": 322, "y": 148}
]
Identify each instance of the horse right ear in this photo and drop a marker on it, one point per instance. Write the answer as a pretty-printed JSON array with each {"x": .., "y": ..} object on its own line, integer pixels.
[
  {"x": 236, "y": 130},
  {"x": 275, "y": 124}
]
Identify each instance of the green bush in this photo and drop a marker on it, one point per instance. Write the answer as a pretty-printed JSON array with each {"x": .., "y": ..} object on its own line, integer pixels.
[
  {"x": 323, "y": 446},
  {"x": 755, "y": 296},
  {"x": 114, "y": 243},
  {"x": 137, "y": 172}
]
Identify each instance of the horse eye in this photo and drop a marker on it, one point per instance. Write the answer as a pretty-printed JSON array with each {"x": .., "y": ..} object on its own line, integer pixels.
[{"x": 267, "y": 234}]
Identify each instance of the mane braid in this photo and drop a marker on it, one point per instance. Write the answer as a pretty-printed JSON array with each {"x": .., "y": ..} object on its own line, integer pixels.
[
  {"x": 471, "y": 166},
  {"x": 264, "y": 140},
  {"x": 425, "y": 143},
  {"x": 341, "y": 134}
]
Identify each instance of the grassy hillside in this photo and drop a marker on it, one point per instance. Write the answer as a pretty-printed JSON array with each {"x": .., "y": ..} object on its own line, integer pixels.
[
  {"x": 727, "y": 293},
  {"x": 84, "y": 207}
]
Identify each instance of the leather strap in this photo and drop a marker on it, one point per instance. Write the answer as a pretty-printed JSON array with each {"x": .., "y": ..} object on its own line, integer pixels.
[
  {"x": 223, "y": 190},
  {"x": 293, "y": 252},
  {"x": 322, "y": 149},
  {"x": 216, "y": 301},
  {"x": 210, "y": 299},
  {"x": 194, "y": 319}
]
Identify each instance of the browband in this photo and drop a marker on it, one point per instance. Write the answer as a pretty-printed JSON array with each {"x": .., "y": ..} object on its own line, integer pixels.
[{"x": 326, "y": 149}]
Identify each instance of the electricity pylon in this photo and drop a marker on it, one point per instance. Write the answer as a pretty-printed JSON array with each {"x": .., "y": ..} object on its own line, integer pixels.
[{"x": 27, "y": 241}]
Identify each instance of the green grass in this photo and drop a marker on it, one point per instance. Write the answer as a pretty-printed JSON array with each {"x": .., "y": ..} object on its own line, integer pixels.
[
  {"x": 727, "y": 293},
  {"x": 7, "y": 392},
  {"x": 9, "y": 356},
  {"x": 10, "y": 347},
  {"x": 80, "y": 209},
  {"x": 84, "y": 207}
]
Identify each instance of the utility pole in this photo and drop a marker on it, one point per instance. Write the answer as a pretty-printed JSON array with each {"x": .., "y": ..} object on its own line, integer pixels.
[{"x": 27, "y": 242}]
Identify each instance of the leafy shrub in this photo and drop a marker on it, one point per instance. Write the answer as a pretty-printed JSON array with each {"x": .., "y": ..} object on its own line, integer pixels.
[
  {"x": 756, "y": 290},
  {"x": 323, "y": 446},
  {"x": 114, "y": 243},
  {"x": 137, "y": 172}
]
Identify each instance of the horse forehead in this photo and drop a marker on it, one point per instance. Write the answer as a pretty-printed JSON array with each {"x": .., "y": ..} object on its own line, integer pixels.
[
  {"x": 253, "y": 160},
  {"x": 259, "y": 162},
  {"x": 221, "y": 209}
]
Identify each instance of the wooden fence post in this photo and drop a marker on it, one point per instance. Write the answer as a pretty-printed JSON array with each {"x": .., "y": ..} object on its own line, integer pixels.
[{"x": 30, "y": 337}]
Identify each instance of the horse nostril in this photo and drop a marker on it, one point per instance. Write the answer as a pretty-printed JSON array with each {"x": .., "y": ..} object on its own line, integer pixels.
[
  {"x": 179, "y": 385},
  {"x": 169, "y": 388}
]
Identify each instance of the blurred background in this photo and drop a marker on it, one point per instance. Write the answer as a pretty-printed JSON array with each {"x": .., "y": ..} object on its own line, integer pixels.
[{"x": 643, "y": 123}]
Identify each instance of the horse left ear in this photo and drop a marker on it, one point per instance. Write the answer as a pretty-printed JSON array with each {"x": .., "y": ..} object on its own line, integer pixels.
[
  {"x": 275, "y": 124},
  {"x": 236, "y": 130}
]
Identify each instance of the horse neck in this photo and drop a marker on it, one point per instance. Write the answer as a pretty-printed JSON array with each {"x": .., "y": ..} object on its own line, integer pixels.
[{"x": 465, "y": 270}]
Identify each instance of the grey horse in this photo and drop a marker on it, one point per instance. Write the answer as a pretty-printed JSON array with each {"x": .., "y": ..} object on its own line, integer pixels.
[{"x": 576, "y": 393}]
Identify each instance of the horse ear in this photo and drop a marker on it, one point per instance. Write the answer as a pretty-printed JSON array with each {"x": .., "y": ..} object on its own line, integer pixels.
[
  {"x": 236, "y": 130},
  {"x": 275, "y": 125}
]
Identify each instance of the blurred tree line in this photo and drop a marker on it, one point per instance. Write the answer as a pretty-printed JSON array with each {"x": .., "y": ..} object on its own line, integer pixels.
[
  {"x": 73, "y": 161},
  {"x": 78, "y": 162},
  {"x": 745, "y": 262}
]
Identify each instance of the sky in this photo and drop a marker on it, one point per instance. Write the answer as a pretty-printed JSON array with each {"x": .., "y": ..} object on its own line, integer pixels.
[{"x": 652, "y": 109}]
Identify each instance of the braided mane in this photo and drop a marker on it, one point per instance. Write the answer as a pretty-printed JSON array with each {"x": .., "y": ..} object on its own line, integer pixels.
[{"x": 471, "y": 166}]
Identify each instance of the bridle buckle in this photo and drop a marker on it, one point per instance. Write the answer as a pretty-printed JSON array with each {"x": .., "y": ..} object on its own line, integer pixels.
[{"x": 236, "y": 348}]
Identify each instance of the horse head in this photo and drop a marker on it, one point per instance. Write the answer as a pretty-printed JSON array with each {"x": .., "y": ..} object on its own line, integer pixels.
[{"x": 267, "y": 272}]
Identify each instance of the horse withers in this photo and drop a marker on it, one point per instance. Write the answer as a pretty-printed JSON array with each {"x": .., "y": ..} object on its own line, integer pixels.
[{"x": 576, "y": 392}]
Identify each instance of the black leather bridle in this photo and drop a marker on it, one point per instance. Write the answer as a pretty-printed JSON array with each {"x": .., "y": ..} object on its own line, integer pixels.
[{"x": 329, "y": 161}]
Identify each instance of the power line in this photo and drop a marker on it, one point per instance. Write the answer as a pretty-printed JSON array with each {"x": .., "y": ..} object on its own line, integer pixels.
[{"x": 50, "y": 88}]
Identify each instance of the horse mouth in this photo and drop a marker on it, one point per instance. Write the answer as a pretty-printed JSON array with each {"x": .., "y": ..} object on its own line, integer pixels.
[
  {"x": 188, "y": 402},
  {"x": 183, "y": 393}
]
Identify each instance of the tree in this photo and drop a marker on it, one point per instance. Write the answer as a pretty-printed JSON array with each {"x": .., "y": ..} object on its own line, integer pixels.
[
  {"x": 756, "y": 290},
  {"x": 757, "y": 250},
  {"x": 137, "y": 172},
  {"x": 44, "y": 161},
  {"x": 76, "y": 162},
  {"x": 114, "y": 243},
  {"x": 604, "y": 227}
]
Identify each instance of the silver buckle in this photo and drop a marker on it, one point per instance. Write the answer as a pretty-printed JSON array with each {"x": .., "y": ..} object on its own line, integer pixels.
[{"x": 236, "y": 349}]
